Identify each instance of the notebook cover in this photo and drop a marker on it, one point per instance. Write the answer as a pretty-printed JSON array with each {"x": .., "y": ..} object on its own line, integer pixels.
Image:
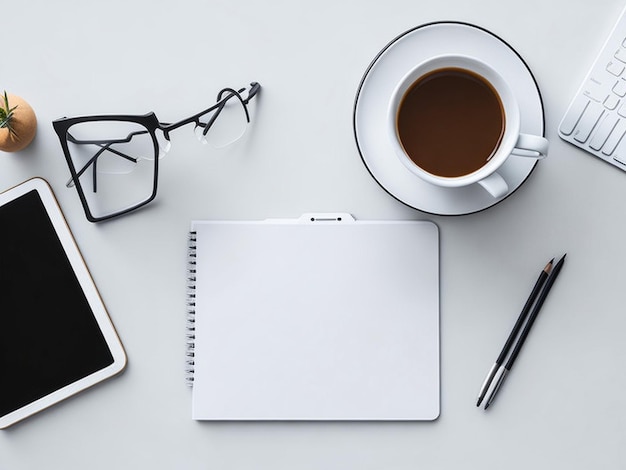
[{"x": 319, "y": 318}]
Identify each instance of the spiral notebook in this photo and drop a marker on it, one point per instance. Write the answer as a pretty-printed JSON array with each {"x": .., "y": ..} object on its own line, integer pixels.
[{"x": 319, "y": 318}]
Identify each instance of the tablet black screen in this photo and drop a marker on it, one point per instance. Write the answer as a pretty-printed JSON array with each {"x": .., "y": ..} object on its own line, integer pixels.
[{"x": 49, "y": 337}]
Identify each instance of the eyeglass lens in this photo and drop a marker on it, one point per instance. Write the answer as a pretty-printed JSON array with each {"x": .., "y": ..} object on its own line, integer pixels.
[
  {"x": 223, "y": 125},
  {"x": 115, "y": 164}
]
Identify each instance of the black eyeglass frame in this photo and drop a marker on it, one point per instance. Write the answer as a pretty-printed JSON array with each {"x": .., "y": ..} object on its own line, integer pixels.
[{"x": 151, "y": 123}]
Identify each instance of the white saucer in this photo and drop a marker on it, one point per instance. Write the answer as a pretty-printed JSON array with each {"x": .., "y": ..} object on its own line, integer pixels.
[{"x": 377, "y": 85}]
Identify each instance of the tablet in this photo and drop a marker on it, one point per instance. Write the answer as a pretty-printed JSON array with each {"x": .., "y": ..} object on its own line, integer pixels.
[{"x": 56, "y": 337}]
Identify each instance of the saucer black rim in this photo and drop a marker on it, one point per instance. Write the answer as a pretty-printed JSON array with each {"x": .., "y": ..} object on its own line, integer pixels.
[{"x": 375, "y": 60}]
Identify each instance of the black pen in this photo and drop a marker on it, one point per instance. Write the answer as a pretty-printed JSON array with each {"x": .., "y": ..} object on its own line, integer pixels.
[
  {"x": 504, "y": 370},
  {"x": 518, "y": 325}
]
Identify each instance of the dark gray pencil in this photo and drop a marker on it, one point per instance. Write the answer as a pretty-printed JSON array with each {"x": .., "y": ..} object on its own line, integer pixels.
[
  {"x": 514, "y": 332},
  {"x": 504, "y": 370}
]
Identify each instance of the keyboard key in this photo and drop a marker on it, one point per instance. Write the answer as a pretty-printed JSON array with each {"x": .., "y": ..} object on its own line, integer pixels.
[
  {"x": 588, "y": 121},
  {"x": 620, "y": 152},
  {"x": 605, "y": 126},
  {"x": 576, "y": 110},
  {"x": 620, "y": 55},
  {"x": 620, "y": 88},
  {"x": 611, "y": 102},
  {"x": 620, "y": 159},
  {"x": 615, "y": 68},
  {"x": 615, "y": 138}
]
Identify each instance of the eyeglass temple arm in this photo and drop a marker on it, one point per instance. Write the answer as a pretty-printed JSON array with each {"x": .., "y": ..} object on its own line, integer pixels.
[
  {"x": 222, "y": 102},
  {"x": 254, "y": 89}
]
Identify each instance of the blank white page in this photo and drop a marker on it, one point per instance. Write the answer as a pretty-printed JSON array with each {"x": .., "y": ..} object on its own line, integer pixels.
[{"x": 301, "y": 320}]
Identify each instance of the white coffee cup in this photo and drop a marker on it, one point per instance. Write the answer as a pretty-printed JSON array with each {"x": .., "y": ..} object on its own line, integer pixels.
[{"x": 512, "y": 141}]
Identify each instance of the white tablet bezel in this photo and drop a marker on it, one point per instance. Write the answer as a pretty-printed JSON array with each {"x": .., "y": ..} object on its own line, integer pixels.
[{"x": 91, "y": 293}]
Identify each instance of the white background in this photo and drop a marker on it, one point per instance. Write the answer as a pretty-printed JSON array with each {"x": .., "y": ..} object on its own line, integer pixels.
[{"x": 563, "y": 405}]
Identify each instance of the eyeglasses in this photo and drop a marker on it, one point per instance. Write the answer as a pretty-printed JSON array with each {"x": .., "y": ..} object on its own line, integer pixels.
[{"x": 114, "y": 159}]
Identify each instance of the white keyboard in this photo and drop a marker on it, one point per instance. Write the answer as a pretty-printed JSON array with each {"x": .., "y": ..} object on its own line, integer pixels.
[{"x": 596, "y": 118}]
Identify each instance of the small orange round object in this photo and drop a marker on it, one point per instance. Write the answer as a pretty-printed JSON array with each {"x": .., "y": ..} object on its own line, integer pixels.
[{"x": 24, "y": 125}]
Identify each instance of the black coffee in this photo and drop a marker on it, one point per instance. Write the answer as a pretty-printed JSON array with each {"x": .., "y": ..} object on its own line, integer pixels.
[{"x": 450, "y": 122}]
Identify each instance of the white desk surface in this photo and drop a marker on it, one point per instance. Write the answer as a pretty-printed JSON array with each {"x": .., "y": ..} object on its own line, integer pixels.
[{"x": 564, "y": 404}]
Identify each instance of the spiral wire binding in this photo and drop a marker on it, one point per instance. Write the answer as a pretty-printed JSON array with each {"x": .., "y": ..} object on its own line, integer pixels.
[{"x": 191, "y": 309}]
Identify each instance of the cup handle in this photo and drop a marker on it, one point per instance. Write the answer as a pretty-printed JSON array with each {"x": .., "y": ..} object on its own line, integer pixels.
[
  {"x": 495, "y": 185},
  {"x": 533, "y": 146}
]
